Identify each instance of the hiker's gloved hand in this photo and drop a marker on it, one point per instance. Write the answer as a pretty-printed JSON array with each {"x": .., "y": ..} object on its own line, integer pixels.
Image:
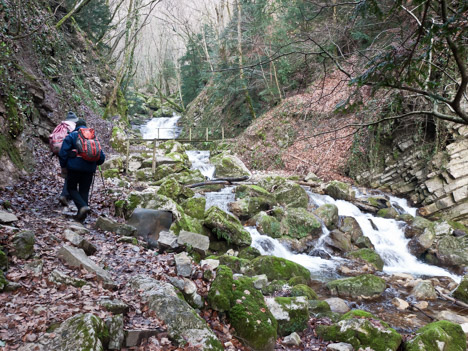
[{"x": 64, "y": 173}]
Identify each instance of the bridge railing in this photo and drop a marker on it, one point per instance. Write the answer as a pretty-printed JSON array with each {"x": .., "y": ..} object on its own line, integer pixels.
[{"x": 183, "y": 135}]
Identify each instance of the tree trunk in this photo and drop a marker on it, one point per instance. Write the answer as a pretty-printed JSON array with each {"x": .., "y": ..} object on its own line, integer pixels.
[{"x": 76, "y": 8}]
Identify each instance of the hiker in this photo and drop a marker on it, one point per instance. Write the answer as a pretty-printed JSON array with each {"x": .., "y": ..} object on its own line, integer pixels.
[
  {"x": 55, "y": 143},
  {"x": 79, "y": 156}
]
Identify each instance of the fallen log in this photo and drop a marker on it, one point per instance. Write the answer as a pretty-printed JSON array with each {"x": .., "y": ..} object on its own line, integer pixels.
[
  {"x": 449, "y": 298},
  {"x": 225, "y": 181}
]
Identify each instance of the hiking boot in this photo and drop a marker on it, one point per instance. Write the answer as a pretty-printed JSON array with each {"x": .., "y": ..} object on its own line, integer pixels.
[
  {"x": 63, "y": 200},
  {"x": 82, "y": 213}
]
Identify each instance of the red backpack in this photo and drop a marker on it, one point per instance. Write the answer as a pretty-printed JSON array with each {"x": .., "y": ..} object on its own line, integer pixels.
[
  {"x": 88, "y": 146},
  {"x": 59, "y": 133}
]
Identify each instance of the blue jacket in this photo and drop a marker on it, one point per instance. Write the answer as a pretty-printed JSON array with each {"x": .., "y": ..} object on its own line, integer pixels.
[{"x": 71, "y": 162}]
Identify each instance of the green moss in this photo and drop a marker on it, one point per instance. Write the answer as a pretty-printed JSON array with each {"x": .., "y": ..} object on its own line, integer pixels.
[
  {"x": 458, "y": 225},
  {"x": 298, "y": 315},
  {"x": 364, "y": 285},
  {"x": 172, "y": 189},
  {"x": 274, "y": 287},
  {"x": 370, "y": 256},
  {"x": 276, "y": 268},
  {"x": 15, "y": 122},
  {"x": 298, "y": 223},
  {"x": 317, "y": 306},
  {"x": 243, "y": 191},
  {"x": 195, "y": 207},
  {"x": 238, "y": 265},
  {"x": 387, "y": 213},
  {"x": 304, "y": 290},
  {"x": 461, "y": 292},
  {"x": 220, "y": 297},
  {"x": 328, "y": 213},
  {"x": 298, "y": 280},
  {"x": 7, "y": 148},
  {"x": 268, "y": 225},
  {"x": 111, "y": 173},
  {"x": 433, "y": 335},
  {"x": 188, "y": 224},
  {"x": 227, "y": 227},
  {"x": 249, "y": 253}
]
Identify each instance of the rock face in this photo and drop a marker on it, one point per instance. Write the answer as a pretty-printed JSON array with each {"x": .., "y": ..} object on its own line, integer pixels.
[
  {"x": 82, "y": 332},
  {"x": 183, "y": 323},
  {"x": 441, "y": 335},
  {"x": 439, "y": 185},
  {"x": 149, "y": 223},
  {"x": 363, "y": 331}
]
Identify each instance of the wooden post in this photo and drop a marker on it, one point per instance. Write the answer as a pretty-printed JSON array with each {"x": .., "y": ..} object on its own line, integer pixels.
[
  {"x": 222, "y": 133},
  {"x": 190, "y": 134},
  {"x": 206, "y": 134},
  {"x": 128, "y": 156},
  {"x": 154, "y": 156},
  {"x": 158, "y": 133}
]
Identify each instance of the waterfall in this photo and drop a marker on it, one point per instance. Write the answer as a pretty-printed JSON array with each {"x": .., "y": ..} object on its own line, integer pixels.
[
  {"x": 161, "y": 128},
  {"x": 201, "y": 160}
]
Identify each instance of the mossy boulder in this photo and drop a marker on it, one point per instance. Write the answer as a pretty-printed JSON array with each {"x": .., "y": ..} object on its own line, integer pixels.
[
  {"x": 291, "y": 195},
  {"x": 243, "y": 191},
  {"x": 148, "y": 199},
  {"x": 220, "y": 296},
  {"x": 251, "y": 318},
  {"x": 249, "y": 253},
  {"x": 172, "y": 146},
  {"x": 299, "y": 223},
  {"x": 328, "y": 213},
  {"x": 226, "y": 226},
  {"x": 165, "y": 170},
  {"x": 291, "y": 313},
  {"x": 351, "y": 226},
  {"x": 362, "y": 330},
  {"x": 441, "y": 335},
  {"x": 23, "y": 244},
  {"x": 229, "y": 166},
  {"x": 236, "y": 264},
  {"x": 366, "y": 285},
  {"x": 189, "y": 224},
  {"x": 451, "y": 251},
  {"x": 268, "y": 225},
  {"x": 172, "y": 189},
  {"x": 370, "y": 256},
  {"x": 248, "y": 207},
  {"x": 195, "y": 207},
  {"x": 118, "y": 139},
  {"x": 111, "y": 173},
  {"x": 387, "y": 213},
  {"x": 298, "y": 280},
  {"x": 304, "y": 290},
  {"x": 340, "y": 241},
  {"x": 340, "y": 191},
  {"x": 420, "y": 243},
  {"x": 461, "y": 292},
  {"x": 276, "y": 286},
  {"x": 318, "y": 306},
  {"x": 277, "y": 268}
]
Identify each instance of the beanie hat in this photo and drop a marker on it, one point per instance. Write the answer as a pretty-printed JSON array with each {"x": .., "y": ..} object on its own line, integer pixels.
[
  {"x": 81, "y": 123},
  {"x": 71, "y": 117}
]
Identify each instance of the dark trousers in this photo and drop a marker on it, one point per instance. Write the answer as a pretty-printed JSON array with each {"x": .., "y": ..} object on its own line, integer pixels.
[
  {"x": 78, "y": 184},
  {"x": 65, "y": 190}
]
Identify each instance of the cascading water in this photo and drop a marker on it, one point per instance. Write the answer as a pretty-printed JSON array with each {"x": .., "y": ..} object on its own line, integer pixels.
[
  {"x": 201, "y": 160},
  {"x": 161, "y": 128},
  {"x": 220, "y": 198}
]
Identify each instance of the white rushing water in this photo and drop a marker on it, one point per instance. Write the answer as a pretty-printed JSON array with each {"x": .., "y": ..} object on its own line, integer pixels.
[
  {"x": 161, "y": 128},
  {"x": 220, "y": 198},
  {"x": 201, "y": 160}
]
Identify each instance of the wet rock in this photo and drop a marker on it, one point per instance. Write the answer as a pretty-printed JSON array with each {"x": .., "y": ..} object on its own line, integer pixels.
[
  {"x": 7, "y": 217},
  {"x": 183, "y": 264},
  {"x": 369, "y": 256},
  {"x": 260, "y": 281},
  {"x": 81, "y": 332},
  {"x": 340, "y": 191},
  {"x": 228, "y": 166},
  {"x": 292, "y": 339},
  {"x": 452, "y": 317},
  {"x": 419, "y": 244},
  {"x": 23, "y": 244},
  {"x": 424, "y": 290},
  {"x": 248, "y": 207},
  {"x": 400, "y": 304},
  {"x": 298, "y": 223},
  {"x": 199, "y": 243},
  {"x": 339, "y": 241},
  {"x": 75, "y": 257},
  {"x": 365, "y": 285},
  {"x": 328, "y": 213},
  {"x": 115, "y": 326},
  {"x": 183, "y": 323},
  {"x": 291, "y": 313},
  {"x": 175, "y": 191},
  {"x": 461, "y": 292},
  {"x": 362, "y": 330},
  {"x": 388, "y": 213},
  {"x": 78, "y": 241},
  {"x": 320, "y": 253},
  {"x": 268, "y": 225},
  {"x": 337, "y": 305},
  {"x": 114, "y": 306},
  {"x": 350, "y": 225},
  {"x": 438, "y": 335},
  {"x": 276, "y": 268},
  {"x": 341, "y": 346},
  {"x": 227, "y": 227},
  {"x": 149, "y": 223}
]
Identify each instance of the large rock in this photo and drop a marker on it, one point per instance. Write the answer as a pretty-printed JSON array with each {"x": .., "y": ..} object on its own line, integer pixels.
[
  {"x": 183, "y": 323},
  {"x": 80, "y": 242},
  {"x": 369, "y": 256},
  {"x": 243, "y": 191},
  {"x": 337, "y": 305},
  {"x": 350, "y": 225},
  {"x": 276, "y": 268},
  {"x": 248, "y": 207},
  {"x": 197, "y": 242},
  {"x": 424, "y": 290},
  {"x": 420, "y": 243},
  {"x": 177, "y": 192},
  {"x": 461, "y": 292},
  {"x": 195, "y": 207},
  {"x": 23, "y": 244},
  {"x": 227, "y": 227},
  {"x": 75, "y": 257},
  {"x": 298, "y": 223},
  {"x": 268, "y": 225},
  {"x": 110, "y": 225},
  {"x": 291, "y": 313},
  {"x": 287, "y": 193},
  {"x": 229, "y": 166},
  {"x": 340, "y": 191},
  {"x": 220, "y": 296},
  {"x": 451, "y": 251},
  {"x": 82, "y": 332},
  {"x": 149, "y": 223},
  {"x": 365, "y": 285},
  {"x": 328, "y": 213},
  {"x": 339, "y": 241},
  {"x": 115, "y": 326},
  {"x": 441, "y": 335},
  {"x": 363, "y": 331}
]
